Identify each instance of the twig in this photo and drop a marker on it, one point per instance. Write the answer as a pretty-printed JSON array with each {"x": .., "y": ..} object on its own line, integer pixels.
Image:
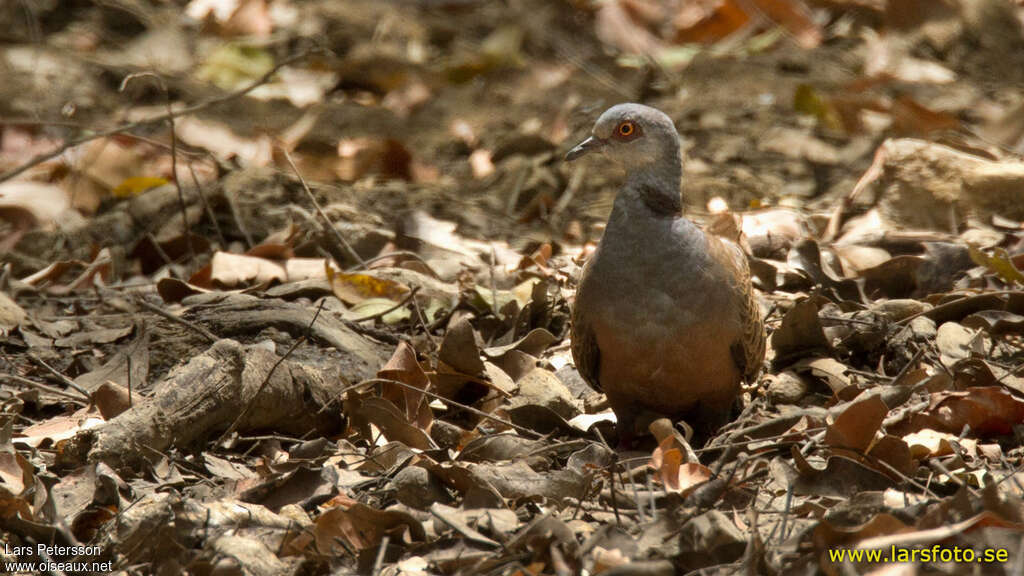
[
  {"x": 326, "y": 222},
  {"x": 128, "y": 362},
  {"x": 39, "y": 159},
  {"x": 423, "y": 323},
  {"x": 239, "y": 221},
  {"x": 174, "y": 154},
  {"x": 786, "y": 510},
  {"x": 636, "y": 499},
  {"x": 79, "y": 126},
  {"x": 922, "y": 487},
  {"x": 266, "y": 380},
  {"x": 379, "y": 562},
  {"x": 206, "y": 205},
  {"x": 494, "y": 288},
  {"x": 956, "y": 302},
  {"x": 382, "y": 313},
  {"x": 44, "y": 388},
  {"x": 575, "y": 182},
  {"x": 611, "y": 482},
  {"x": 436, "y": 396},
  {"x": 159, "y": 251},
  {"x": 393, "y": 254},
  {"x": 587, "y": 481},
  {"x": 209, "y": 336},
  {"x": 67, "y": 381},
  {"x": 372, "y": 332}
]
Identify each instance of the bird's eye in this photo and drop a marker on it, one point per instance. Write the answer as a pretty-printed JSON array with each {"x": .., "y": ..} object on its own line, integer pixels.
[{"x": 626, "y": 129}]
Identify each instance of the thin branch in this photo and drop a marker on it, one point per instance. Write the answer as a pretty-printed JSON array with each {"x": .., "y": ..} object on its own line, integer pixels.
[
  {"x": 252, "y": 401},
  {"x": 448, "y": 401},
  {"x": 393, "y": 254},
  {"x": 325, "y": 221},
  {"x": 952, "y": 303},
  {"x": 174, "y": 154},
  {"x": 39, "y": 159},
  {"x": 206, "y": 205},
  {"x": 43, "y": 387},
  {"x": 382, "y": 313},
  {"x": 206, "y": 334},
  {"x": 67, "y": 381}
]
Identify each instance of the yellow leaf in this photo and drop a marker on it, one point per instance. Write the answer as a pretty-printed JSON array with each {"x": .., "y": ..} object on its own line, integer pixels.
[
  {"x": 999, "y": 263},
  {"x": 807, "y": 101},
  {"x": 354, "y": 288},
  {"x": 130, "y": 187}
]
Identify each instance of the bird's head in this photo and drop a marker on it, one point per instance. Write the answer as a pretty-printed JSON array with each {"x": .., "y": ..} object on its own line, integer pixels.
[{"x": 632, "y": 135}]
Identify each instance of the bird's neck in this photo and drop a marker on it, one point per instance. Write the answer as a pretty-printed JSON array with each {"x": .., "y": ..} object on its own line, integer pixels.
[{"x": 657, "y": 185}]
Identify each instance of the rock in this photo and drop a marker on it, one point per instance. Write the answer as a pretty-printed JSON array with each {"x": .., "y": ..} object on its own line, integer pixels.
[
  {"x": 955, "y": 342},
  {"x": 417, "y": 488},
  {"x": 900, "y": 308},
  {"x": 542, "y": 388},
  {"x": 923, "y": 328},
  {"x": 446, "y": 435},
  {"x": 787, "y": 388},
  {"x": 924, "y": 184}
]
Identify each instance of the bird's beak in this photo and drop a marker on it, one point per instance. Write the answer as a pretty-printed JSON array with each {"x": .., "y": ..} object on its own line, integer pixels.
[{"x": 588, "y": 145}]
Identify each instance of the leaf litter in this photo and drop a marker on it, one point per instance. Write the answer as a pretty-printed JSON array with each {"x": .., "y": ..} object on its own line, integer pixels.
[{"x": 324, "y": 327}]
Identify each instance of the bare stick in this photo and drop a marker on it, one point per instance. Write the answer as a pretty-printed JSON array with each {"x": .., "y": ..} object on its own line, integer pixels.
[
  {"x": 393, "y": 254},
  {"x": 39, "y": 159},
  {"x": 252, "y": 401},
  {"x": 209, "y": 336},
  {"x": 174, "y": 153},
  {"x": 380, "y": 554},
  {"x": 67, "y": 381},
  {"x": 611, "y": 485},
  {"x": 469, "y": 409},
  {"x": 206, "y": 205},
  {"x": 44, "y": 388},
  {"x": 326, "y": 222},
  {"x": 383, "y": 313}
]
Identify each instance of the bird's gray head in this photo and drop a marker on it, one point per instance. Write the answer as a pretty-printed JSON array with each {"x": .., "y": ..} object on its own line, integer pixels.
[{"x": 632, "y": 135}]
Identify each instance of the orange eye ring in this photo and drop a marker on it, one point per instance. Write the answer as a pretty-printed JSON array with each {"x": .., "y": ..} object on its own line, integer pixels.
[{"x": 626, "y": 129}]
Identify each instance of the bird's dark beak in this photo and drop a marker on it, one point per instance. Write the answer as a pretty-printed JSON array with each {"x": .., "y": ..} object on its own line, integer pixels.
[{"x": 588, "y": 145}]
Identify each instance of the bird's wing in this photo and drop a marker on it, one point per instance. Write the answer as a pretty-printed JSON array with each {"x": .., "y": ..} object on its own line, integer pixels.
[
  {"x": 748, "y": 350},
  {"x": 585, "y": 352}
]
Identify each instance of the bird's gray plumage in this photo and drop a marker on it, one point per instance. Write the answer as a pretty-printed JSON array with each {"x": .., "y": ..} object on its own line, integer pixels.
[{"x": 665, "y": 320}]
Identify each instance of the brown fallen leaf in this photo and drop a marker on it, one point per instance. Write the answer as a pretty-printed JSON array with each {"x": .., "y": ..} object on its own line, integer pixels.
[
  {"x": 97, "y": 271},
  {"x": 856, "y": 426},
  {"x": 404, "y": 367},
  {"x": 223, "y": 142},
  {"x": 616, "y": 27},
  {"x": 706, "y": 22},
  {"x": 361, "y": 527},
  {"x": 361, "y": 157},
  {"x": 988, "y": 410},
  {"x": 795, "y": 17}
]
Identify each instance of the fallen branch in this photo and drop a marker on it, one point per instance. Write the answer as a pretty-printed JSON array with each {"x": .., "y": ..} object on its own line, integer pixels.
[{"x": 201, "y": 399}]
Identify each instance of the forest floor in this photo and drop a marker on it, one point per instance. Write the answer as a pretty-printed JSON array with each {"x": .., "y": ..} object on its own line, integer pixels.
[{"x": 286, "y": 286}]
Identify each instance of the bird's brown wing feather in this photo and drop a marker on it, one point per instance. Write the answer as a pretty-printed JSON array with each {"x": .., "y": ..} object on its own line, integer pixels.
[
  {"x": 585, "y": 352},
  {"x": 748, "y": 350}
]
